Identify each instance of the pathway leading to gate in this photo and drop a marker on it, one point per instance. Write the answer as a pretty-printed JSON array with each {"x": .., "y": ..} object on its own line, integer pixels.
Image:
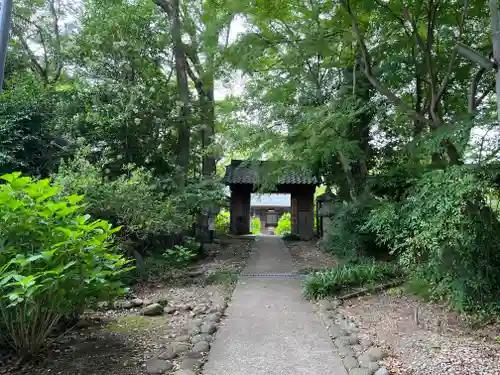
[{"x": 270, "y": 329}]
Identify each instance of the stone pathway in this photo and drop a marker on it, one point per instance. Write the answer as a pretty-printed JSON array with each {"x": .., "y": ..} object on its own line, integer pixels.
[{"x": 270, "y": 329}]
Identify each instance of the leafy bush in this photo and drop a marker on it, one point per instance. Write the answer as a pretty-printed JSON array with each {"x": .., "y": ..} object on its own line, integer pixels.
[
  {"x": 162, "y": 266},
  {"x": 132, "y": 200},
  {"x": 27, "y": 140},
  {"x": 222, "y": 222},
  {"x": 198, "y": 196},
  {"x": 328, "y": 283},
  {"x": 447, "y": 235},
  {"x": 348, "y": 238},
  {"x": 284, "y": 226},
  {"x": 255, "y": 226},
  {"x": 180, "y": 255},
  {"x": 54, "y": 261}
]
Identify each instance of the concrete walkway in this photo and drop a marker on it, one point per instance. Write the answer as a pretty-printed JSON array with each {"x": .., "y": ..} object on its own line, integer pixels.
[{"x": 270, "y": 329}]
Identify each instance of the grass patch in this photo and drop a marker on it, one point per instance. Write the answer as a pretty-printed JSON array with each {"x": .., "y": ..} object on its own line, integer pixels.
[
  {"x": 131, "y": 323},
  {"x": 348, "y": 276},
  {"x": 309, "y": 270},
  {"x": 224, "y": 277}
]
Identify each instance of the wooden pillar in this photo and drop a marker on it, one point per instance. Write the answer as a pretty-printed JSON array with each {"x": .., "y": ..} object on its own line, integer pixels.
[
  {"x": 295, "y": 211},
  {"x": 303, "y": 212},
  {"x": 240, "y": 209}
]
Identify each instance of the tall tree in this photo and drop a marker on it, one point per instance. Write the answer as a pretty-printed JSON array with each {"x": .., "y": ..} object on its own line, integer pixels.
[
  {"x": 172, "y": 9},
  {"x": 206, "y": 25},
  {"x": 304, "y": 79},
  {"x": 40, "y": 29},
  {"x": 431, "y": 30}
]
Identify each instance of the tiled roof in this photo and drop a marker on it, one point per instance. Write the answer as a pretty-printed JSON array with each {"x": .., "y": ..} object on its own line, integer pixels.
[{"x": 240, "y": 172}]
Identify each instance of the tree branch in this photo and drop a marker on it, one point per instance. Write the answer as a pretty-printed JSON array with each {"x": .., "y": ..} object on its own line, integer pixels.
[
  {"x": 475, "y": 56},
  {"x": 425, "y": 47},
  {"x": 447, "y": 77},
  {"x": 57, "y": 47},
  {"x": 226, "y": 43},
  {"x": 192, "y": 55},
  {"x": 198, "y": 83},
  {"x": 34, "y": 62},
  {"x": 471, "y": 107},
  {"x": 421, "y": 44},
  {"x": 166, "y": 6},
  {"x": 395, "y": 15},
  {"x": 368, "y": 70},
  {"x": 291, "y": 41},
  {"x": 488, "y": 90}
]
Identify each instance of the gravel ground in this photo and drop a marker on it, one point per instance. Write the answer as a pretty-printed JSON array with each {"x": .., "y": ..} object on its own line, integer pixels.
[
  {"x": 429, "y": 341},
  {"x": 440, "y": 344},
  {"x": 308, "y": 257},
  {"x": 122, "y": 341}
]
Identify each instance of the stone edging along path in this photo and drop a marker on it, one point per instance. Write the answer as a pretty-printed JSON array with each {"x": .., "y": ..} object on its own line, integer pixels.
[
  {"x": 363, "y": 360},
  {"x": 190, "y": 351}
]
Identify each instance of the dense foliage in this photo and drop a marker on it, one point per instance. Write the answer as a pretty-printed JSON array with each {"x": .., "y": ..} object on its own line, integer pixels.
[
  {"x": 445, "y": 231},
  {"x": 376, "y": 98},
  {"x": 132, "y": 200},
  {"x": 55, "y": 260},
  {"x": 284, "y": 226},
  {"x": 222, "y": 222},
  {"x": 96, "y": 98},
  {"x": 255, "y": 226},
  {"x": 121, "y": 101},
  {"x": 347, "y": 237}
]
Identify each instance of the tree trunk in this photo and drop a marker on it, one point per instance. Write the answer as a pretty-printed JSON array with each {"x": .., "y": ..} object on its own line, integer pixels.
[
  {"x": 208, "y": 117},
  {"x": 183, "y": 129},
  {"x": 418, "y": 125},
  {"x": 495, "y": 29},
  {"x": 358, "y": 131}
]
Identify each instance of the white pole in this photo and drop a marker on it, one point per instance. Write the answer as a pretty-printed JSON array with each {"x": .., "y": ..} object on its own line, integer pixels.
[
  {"x": 495, "y": 29},
  {"x": 6, "y": 15}
]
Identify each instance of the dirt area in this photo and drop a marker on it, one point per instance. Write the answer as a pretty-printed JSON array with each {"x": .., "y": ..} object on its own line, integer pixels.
[
  {"x": 127, "y": 340},
  {"x": 424, "y": 338},
  {"x": 308, "y": 257}
]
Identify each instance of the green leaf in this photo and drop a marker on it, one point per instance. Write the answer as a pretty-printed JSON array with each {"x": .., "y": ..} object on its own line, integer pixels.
[
  {"x": 68, "y": 232},
  {"x": 10, "y": 177},
  {"x": 73, "y": 199}
]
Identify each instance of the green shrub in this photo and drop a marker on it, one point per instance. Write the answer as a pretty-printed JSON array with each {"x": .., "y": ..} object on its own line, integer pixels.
[
  {"x": 255, "y": 226},
  {"x": 132, "y": 201},
  {"x": 446, "y": 235},
  {"x": 163, "y": 266},
  {"x": 365, "y": 274},
  {"x": 180, "y": 256},
  {"x": 222, "y": 222},
  {"x": 160, "y": 265},
  {"x": 54, "y": 261},
  {"x": 347, "y": 237},
  {"x": 28, "y": 141},
  {"x": 284, "y": 226}
]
